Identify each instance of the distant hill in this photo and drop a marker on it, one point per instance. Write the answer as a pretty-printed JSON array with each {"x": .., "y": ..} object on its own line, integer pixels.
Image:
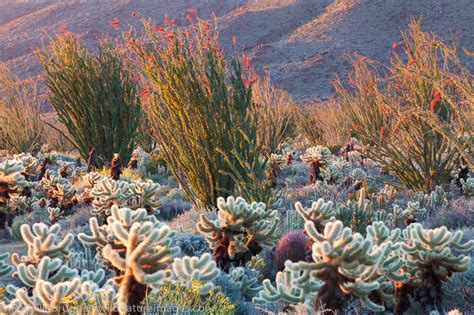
[{"x": 299, "y": 41}]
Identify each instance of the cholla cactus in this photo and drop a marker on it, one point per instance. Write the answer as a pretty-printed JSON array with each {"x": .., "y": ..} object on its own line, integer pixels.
[
  {"x": 144, "y": 195},
  {"x": 248, "y": 284},
  {"x": 202, "y": 269},
  {"x": 293, "y": 285},
  {"x": 5, "y": 268},
  {"x": 408, "y": 215},
  {"x": 60, "y": 191},
  {"x": 467, "y": 186},
  {"x": 318, "y": 158},
  {"x": 89, "y": 180},
  {"x": 11, "y": 180},
  {"x": 42, "y": 241},
  {"x": 64, "y": 168},
  {"x": 438, "y": 198},
  {"x": 30, "y": 164},
  {"x": 96, "y": 276},
  {"x": 345, "y": 264},
  {"x": 22, "y": 204},
  {"x": 54, "y": 214},
  {"x": 430, "y": 262},
  {"x": 108, "y": 192},
  {"x": 47, "y": 269},
  {"x": 320, "y": 213},
  {"x": 239, "y": 231},
  {"x": 356, "y": 214},
  {"x": 138, "y": 247}
]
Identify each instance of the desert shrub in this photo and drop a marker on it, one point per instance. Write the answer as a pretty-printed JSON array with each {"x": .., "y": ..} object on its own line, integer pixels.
[
  {"x": 22, "y": 125},
  {"x": 191, "y": 244},
  {"x": 387, "y": 110},
  {"x": 200, "y": 113},
  {"x": 93, "y": 95},
  {"x": 321, "y": 124},
  {"x": 275, "y": 113}
]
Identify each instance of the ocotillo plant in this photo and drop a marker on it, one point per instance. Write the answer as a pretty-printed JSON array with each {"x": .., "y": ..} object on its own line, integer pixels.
[
  {"x": 22, "y": 123},
  {"x": 190, "y": 85},
  {"x": 93, "y": 95},
  {"x": 410, "y": 118}
]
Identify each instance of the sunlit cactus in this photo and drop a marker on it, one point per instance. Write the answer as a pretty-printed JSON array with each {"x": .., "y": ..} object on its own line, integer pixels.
[
  {"x": 320, "y": 213},
  {"x": 144, "y": 195},
  {"x": 108, "y": 192},
  {"x": 5, "y": 268},
  {"x": 42, "y": 241},
  {"x": 138, "y": 247},
  {"x": 202, "y": 269},
  {"x": 30, "y": 164},
  {"x": 22, "y": 204},
  {"x": 239, "y": 231},
  {"x": 293, "y": 285},
  {"x": 89, "y": 181},
  {"x": 430, "y": 261},
  {"x": 318, "y": 158},
  {"x": 47, "y": 269},
  {"x": 54, "y": 214}
]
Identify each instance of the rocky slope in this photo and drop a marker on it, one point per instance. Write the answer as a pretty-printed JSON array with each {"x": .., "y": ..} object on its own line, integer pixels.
[{"x": 301, "y": 42}]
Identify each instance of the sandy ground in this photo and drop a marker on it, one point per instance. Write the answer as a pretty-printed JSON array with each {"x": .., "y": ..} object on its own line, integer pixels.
[{"x": 299, "y": 41}]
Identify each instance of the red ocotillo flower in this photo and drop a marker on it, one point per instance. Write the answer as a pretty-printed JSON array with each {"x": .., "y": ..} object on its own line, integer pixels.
[
  {"x": 435, "y": 100},
  {"x": 143, "y": 93},
  {"x": 157, "y": 29},
  {"x": 192, "y": 11},
  {"x": 382, "y": 129},
  {"x": 133, "y": 13},
  {"x": 395, "y": 45},
  {"x": 166, "y": 21},
  {"x": 115, "y": 22},
  {"x": 411, "y": 62},
  {"x": 234, "y": 40}
]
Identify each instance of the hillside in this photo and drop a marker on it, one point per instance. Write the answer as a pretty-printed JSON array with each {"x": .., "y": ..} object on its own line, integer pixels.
[{"x": 299, "y": 41}]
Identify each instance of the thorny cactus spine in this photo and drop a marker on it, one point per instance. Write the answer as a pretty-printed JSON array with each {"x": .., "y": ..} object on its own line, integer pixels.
[
  {"x": 240, "y": 230},
  {"x": 138, "y": 248}
]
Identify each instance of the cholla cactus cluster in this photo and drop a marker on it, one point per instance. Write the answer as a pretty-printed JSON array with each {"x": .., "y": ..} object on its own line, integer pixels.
[
  {"x": 468, "y": 186},
  {"x": 318, "y": 158},
  {"x": 240, "y": 230},
  {"x": 137, "y": 245}
]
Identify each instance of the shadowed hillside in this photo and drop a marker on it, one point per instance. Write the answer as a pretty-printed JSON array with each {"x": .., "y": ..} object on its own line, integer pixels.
[{"x": 301, "y": 41}]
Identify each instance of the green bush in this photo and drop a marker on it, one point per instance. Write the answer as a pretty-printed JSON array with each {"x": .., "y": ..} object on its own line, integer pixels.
[
  {"x": 93, "y": 95},
  {"x": 200, "y": 113}
]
